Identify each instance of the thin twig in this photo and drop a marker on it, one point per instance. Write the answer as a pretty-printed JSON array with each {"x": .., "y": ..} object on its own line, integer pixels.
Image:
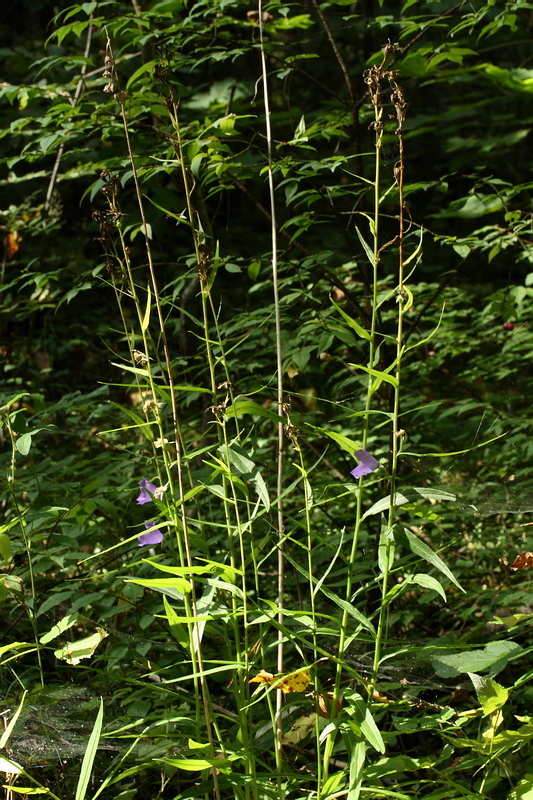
[
  {"x": 341, "y": 62},
  {"x": 74, "y": 103}
]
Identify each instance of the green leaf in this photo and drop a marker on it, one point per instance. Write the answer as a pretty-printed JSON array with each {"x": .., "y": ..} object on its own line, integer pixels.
[
  {"x": 386, "y": 548},
  {"x": 23, "y": 443},
  {"x": 210, "y": 567},
  {"x": 242, "y": 407},
  {"x": 177, "y": 629},
  {"x": 357, "y": 753},
  {"x": 6, "y": 648},
  {"x": 491, "y": 695},
  {"x": 15, "y": 399},
  {"x": 288, "y": 23},
  {"x": 5, "y": 547},
  {"x": 179, "y": 218},
  {"x": 523, "y": 789},
  {"x": 147, "y": 66},
  {"x": 4, "y": 739},
  {"x": 167, "y": 586},
  {"x": 462, "y": 250},
  {"x": 517, "y": 80},
  {"x": 53, "y": 600},
  {"x": 213, "y": 268},
  {"x": 428, "y": 582},
  {"x": 60, "y": 627},
  {"x": 364, "y": 334},
  {"x": 90, "y": 753},
  {"x": 494, "y": 657},
  {"x": 253, "y": 270},
  {"x": 472, "y": 207},
  {"x": 380, "y": 375},
  {"x": 198, "y": 764},
  {"x": 140, "y": 422},
  {"x": 512, "y": 620},
  {"x": 343, "y": 441},
  {"x": 412, "y": 495},
  {"x": 456, "y": 452},
  {"x": 422, "y": 550},
  {"x": 146, "y": 318},
  {"x": 226, "y": 124},
  {"x": 349, "y": 608},
  {"x": 366, "y": 248},
  {"x": 136, "y": 370},
  {"x": 244, "y": 466},
  {"x": 74, "y": 652},
  {"x": 361, "y": 715}
]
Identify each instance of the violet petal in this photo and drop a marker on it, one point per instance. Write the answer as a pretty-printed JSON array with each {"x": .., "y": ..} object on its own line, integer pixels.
[
  {"x": 153, "y": 537},
  {"x": 146, "y": 486},
  {"x": 366, "y": 465}
]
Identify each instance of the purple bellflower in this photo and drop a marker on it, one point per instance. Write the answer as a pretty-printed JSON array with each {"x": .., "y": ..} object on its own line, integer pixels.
[
  {"x": 366, "y": 465},
  {"x": 146, "y": 486},
  {"x": 153, "y": 537}
]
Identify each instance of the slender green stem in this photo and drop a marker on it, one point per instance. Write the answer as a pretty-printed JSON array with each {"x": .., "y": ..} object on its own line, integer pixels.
[
  {"x": 27, "y": 543},
  {"x": 312, "y": 592},
  {"x": 204, "y": 260},
  {"x": 279, "y": 371},
  {"x": 190, "y": 606},
  {"x": 372, "y": 78},
  {"x": 401, "y": 297}
]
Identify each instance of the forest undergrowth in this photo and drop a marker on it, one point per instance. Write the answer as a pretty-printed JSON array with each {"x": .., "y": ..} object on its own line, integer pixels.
[{"x": 266, "y": 454}]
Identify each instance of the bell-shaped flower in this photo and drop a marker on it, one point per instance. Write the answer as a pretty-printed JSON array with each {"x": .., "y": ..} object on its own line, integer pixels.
[
  {"x": 366, "y": 465},
  {"x": 152, "y": 536},
  {"x": 146, "y": 487}
]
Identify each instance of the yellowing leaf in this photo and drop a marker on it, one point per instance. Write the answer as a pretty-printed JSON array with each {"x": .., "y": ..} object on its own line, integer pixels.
[
  {"x": 299, "y": 730},
  {"x": 496, "y": 719},
  {"x": 292, "y": 682},
  {"x": 293, "y": 370},
  {"x": 325, "y": 702},
  {"x": 73, "y": 652},
  {"x": 11, "y": 244}
]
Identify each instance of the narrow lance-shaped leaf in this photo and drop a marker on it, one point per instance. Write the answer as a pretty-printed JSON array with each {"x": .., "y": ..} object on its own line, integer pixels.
[
  {"x": 364, "y": 334},
  {"x": 146, "y": 318},
  {"x": 90, "y": 753}
]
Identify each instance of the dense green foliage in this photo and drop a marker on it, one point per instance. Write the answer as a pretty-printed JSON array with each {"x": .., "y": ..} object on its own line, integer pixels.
[{"x": 141, "y": 336}]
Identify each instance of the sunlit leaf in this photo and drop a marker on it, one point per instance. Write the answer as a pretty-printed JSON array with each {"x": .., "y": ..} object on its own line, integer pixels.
[{"x": 74, "y": 652}]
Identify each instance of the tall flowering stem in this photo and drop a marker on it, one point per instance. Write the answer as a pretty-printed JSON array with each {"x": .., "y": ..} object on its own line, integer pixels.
[
  {"x": 179, "y": 518},
  {"x": 404, "y": 300},
  {"x": 279, "y": 371},
  {"x": 373, "y": 78}
]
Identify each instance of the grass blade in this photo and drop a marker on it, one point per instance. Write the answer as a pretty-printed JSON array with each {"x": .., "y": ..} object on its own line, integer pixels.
[{"x": 90, "y": 752}]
